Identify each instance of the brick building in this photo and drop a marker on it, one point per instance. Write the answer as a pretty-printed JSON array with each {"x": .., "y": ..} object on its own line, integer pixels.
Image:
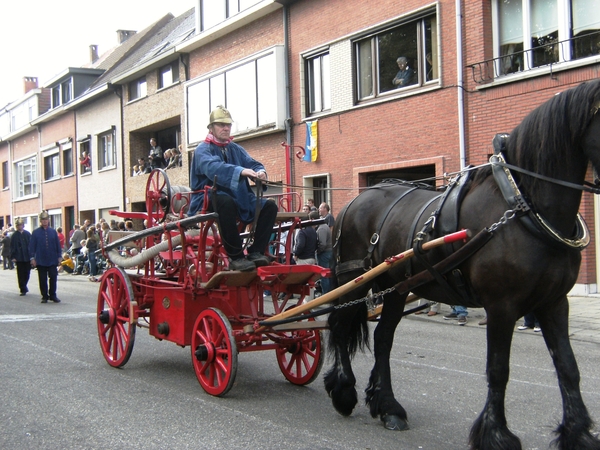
[{"x": 289, "y": 66}]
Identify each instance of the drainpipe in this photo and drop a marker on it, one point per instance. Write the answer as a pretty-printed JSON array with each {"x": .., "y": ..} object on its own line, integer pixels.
[
  {"x": 459, "y": 82},
  {"x": 288, "y": 119}
]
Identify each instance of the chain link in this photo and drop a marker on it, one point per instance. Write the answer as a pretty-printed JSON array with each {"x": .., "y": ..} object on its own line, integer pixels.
[
  {"x": 508, "y": 215},
  {"x": 369, "y": 299}
]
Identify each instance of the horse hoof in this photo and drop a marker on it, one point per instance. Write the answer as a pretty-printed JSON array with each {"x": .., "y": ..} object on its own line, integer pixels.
[{"x": 394, "y": 423}]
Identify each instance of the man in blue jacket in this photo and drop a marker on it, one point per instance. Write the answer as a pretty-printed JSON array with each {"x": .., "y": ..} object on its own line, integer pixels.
[
  {"x": 218, "y": 156},
  {"x": 45, "y": 255},
  {"x": 19, "y": 254}
]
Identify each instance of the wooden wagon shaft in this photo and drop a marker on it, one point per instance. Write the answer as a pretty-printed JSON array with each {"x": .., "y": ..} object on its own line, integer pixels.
[{"x": 368, "y": 276}]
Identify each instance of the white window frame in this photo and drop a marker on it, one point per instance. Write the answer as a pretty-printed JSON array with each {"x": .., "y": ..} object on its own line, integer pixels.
[
  {"x": 107, "y": 156},
  {"x": 168, "y": 75},
  {"x": 564, "y": 27},
  {"x": 26, "y": 167},
  {"x": 257, "y": 104},
  {"x": 214, "y": 12},
  {"x": 318, "y": 82},
  {"x": 51, "y": 155},
  {"x": 141, "y": 89}
]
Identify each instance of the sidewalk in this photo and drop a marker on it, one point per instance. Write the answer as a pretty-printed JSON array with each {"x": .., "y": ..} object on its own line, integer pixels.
[{"x": 584, "y": 318}]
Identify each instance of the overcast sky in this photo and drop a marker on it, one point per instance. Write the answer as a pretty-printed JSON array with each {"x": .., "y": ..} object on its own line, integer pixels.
[{"x": 41, "y": 38}]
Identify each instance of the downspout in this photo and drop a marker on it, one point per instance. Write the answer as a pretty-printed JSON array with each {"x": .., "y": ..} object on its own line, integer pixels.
[
  {"x": 40, "y": 168},
  {"x": 288, "y": 119},
  {"x": 459, "y": 82},
  {"x": 118, "y": 90}
]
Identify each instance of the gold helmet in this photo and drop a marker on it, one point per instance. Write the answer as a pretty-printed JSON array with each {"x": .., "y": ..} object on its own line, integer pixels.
[
  {"x": 219, "y": 115},
  {"x": 44, "y": 215}
]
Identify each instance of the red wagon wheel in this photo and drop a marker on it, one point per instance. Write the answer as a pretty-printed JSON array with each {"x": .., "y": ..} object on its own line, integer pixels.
[
  {"x": 158, "y": 195},
  {"x": 299, "y": 356},
  {"x": 214, "y": 352},
  {"x": 115, "y": 328}
]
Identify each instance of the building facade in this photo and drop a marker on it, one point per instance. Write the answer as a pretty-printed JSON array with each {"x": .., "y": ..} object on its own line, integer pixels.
[{"x": 332, "y": 96}]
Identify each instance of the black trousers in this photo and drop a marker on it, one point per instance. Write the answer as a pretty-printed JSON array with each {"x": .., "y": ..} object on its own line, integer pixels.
[
  {"x": 23, "y": 272},
  {"x": 228, "y": 216},
  {"x": 46, "y": 273}
]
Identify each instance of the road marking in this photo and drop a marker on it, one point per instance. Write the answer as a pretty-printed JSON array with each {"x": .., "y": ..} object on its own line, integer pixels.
[{"x": 39, "y": 317}]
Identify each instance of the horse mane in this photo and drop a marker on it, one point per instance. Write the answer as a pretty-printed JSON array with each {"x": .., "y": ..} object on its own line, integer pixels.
[{"x": 540, "y": 142}]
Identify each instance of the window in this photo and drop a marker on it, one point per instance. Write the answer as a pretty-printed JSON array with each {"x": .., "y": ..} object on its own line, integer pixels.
[
  {"x": 67, "y": 155},
  {"x": 5, "y": 175},
  {"x": 137, "y": 89},
  {"x": 168, "y": 75},
  {"x": 55, "y": 96},
  {"x": 63, "y": 93},
  {"x": 377, "y": 55},
  {"x": 106, "y": 150},
  {"x": 319, "y": 87},
  {"x": 534, "y": 33},
  {"x": 51, "y": 166},
  {"x": 66, "y": 91},
  {"x": 252, "y": 90},
  {"x": 26, "y": 177},
  {"x": 217, "y": 11},
  {"x": 85, "y": 159}
]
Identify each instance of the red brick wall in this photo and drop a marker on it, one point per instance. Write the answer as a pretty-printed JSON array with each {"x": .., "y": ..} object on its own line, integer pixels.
[
  {"x": 405, "y": 129},
  {"x": 500, "y": 108},
  {"x": 63, "y": 192}
]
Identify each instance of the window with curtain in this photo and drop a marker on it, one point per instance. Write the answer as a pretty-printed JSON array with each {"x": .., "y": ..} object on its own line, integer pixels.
[
  {"x": 535, "y": 33},
  {"x": 377, "y": 57}
]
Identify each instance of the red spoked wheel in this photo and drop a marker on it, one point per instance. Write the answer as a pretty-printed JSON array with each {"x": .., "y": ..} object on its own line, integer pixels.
[
  {"x": 158, "y": 196},
  {"x": 214, "y": 352},
  {"x": 300, "y": 357},
  {"x": 116, "y": 330}
]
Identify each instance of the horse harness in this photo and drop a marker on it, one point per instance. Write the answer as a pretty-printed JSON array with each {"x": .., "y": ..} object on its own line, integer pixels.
[
  {"x": 517, "y": 202},
  {"x": 449, "y": 202}
]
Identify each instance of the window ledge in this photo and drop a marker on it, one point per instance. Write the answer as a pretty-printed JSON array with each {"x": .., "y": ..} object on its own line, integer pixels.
[
  {"x": 136, "y": 99},
  {"x": 107, "y": 169},
  {"x": 164, "y": 88},
  {"x": 539, "y": 71},
  {"x": 433, "y": 86},
  {"x": 26, "y": 197}
]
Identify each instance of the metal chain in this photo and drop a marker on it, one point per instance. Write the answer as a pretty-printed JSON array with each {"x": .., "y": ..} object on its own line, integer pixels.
[
  {"x": 508, "y": 215},
  {"x": 369, "y": 299}
]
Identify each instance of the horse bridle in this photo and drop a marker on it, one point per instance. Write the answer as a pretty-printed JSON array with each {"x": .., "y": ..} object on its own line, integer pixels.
[{"x": 532, "y": 220}]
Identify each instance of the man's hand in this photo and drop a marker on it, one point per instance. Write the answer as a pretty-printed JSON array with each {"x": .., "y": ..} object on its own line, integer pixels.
[{"x": 252, "y": 174}]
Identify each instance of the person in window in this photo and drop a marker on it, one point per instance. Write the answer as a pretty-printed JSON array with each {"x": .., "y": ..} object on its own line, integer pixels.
[
  {"x": 86, "y": 163},
  {"x": 144, "y": 167},
  {"x": 218, "y": 156},
  {"x": 405, "y": 75},
  {"x": 156, "y": 156}
]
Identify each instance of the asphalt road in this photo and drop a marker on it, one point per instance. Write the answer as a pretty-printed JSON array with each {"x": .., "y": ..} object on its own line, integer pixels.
[{"x": 59, "y": 393}]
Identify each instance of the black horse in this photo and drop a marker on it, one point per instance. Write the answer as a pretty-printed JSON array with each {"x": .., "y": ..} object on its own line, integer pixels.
[{"x": 528, "y": 262}]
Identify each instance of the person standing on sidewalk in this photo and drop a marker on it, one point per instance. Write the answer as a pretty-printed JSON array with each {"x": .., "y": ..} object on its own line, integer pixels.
[
  {"x": 45, "y": 255},
  {"x": 19, "y": 254}
]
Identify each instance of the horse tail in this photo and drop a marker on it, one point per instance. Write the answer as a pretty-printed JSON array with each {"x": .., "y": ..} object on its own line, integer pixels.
[{"x": 348, "y": 328}]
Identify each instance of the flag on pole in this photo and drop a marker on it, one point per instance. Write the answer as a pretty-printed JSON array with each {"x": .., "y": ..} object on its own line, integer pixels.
[{"x": 311, "y": 141}]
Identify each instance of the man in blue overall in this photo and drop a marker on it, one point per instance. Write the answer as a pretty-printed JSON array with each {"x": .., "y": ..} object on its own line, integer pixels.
[{"x": 219, "y": 156}]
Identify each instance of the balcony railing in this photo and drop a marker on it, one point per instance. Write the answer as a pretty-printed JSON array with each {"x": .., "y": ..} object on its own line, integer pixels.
[{"x": 547, "y": 55}]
